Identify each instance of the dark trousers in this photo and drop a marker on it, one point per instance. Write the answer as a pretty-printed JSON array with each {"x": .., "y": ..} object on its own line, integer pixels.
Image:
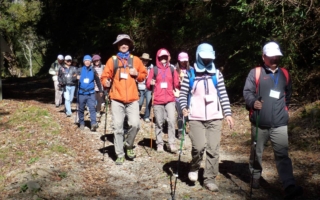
[{"x": 90, "y": 101}]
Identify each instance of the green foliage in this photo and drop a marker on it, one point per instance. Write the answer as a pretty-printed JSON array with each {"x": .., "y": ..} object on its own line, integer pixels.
[
  {"x": 63, "y": 175},
  {"x": 33, "y": 160},
  {"x": 23, "y": 188}
]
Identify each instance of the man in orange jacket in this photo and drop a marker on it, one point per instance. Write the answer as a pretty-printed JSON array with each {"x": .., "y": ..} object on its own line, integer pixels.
[{"x": 121, "y": 74}]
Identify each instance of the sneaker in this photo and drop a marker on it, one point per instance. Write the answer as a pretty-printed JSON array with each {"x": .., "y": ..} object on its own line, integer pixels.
[
  {"x": 82, "y": 127},
  {"x": 119, "y": 160},
  {"x": 255, "y": 183},
  {"x": 212, "y": 187},
  {"x": 172, "y": 148},
  {"x": 94, "y": 127},
  {"x": 57, "y": 106},
  {"x": 160, "y": 148},
  {"x": 130, "y": 153},
  {"x": 293, "y": 191},
  {"x": 68, "y": 115},
  {"x": 193, "y": 176},
  {"x": 147, "y": 120}
]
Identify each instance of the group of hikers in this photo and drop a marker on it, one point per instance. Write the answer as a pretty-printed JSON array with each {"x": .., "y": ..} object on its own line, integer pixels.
[{"x": 197, "y": 93}]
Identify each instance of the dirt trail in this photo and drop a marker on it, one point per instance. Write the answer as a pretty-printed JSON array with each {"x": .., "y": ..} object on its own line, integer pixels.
[{"x": 88, "y": 171}]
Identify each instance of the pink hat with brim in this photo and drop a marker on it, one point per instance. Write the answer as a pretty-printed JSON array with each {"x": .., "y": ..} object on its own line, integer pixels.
[
  {"x": 163, "y": 53},
  {"x": 183, "y": 56}
]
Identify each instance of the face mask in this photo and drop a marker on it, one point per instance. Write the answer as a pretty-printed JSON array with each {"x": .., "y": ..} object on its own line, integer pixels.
[{"x": 274, "y": 60}]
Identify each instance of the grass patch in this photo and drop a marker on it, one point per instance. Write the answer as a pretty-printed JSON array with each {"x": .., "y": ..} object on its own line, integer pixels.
[
  {"x": 63, "y": 175},
  {"x": 25, "y": 115},
  {"x": 59, "y": 149},
  {"x": 33, "y": 160}
]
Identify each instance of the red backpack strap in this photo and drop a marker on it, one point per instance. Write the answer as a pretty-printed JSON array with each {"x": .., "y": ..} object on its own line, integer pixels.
[
  {"x": 286, "y": 74},
  {"x": 258, "y": 72}
]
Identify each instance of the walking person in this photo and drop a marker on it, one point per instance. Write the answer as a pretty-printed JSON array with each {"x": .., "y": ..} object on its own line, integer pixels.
[
  {"x": 87, "y": 79},
  {"x": 120, "y": 74},
  {"x": 144, "y": 93},
  {"x": 96, "y": 60},
  {"x": 54, "y": 69},
  {"x": 67, "y": 77},
  {"x": 165, "y": 80},
  {"x": 183, "y": 67},
  {"x": 274, "y": 87},
  {"x": 208, "y": 101}
]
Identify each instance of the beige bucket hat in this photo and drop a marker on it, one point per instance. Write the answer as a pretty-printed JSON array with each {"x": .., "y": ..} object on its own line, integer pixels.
[{"x": 146, "y": 56}]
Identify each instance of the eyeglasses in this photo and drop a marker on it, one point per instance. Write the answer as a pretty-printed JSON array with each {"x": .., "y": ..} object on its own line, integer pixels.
[{"x": 68, "y": 60}]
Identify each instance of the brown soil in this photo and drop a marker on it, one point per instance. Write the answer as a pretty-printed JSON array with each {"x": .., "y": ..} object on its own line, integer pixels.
[{"x": 86, "y": 170}]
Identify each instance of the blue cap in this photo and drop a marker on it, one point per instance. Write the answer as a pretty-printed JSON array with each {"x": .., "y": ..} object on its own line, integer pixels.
[{"x": 87, "y": 57}]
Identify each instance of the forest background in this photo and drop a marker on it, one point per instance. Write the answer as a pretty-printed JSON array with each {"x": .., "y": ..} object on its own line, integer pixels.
[{"x": 37, "y": 31}]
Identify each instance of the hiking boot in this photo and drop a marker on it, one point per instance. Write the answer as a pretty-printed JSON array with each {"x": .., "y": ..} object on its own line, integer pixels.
[
  {"x": 82, "y": 127},
  {"x": 172, "y": 148},
  {"x": 193, "y": 176},
  {"x": 160, "y": 148},
  {"x": 255, "y": 182},
  {"x": 120, "y": 160},
  {"x": 130, "y": 153},
  {"x": 94, "y": 127},
  {"x": 147, "y": 120},
  {"x": 293, "y": 191},
  {"x": 212, "y": 187}
]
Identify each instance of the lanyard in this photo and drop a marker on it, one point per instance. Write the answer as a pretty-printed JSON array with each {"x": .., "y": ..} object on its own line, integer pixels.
[
  {"x": 275, "y": 80},
  {"x": 123, "y": 63}
]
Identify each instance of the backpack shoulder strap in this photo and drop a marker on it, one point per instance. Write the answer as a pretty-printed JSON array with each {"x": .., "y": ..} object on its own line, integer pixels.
[
  {"x": 155, "y": 72},
  {"x": 130, "y": 61},
  {"x": 191, "y": 76},
  {"x": 215, "y": 79},
  {"x": 115, "y": 65},
  {"x": 286, "y": 74},
  {"x": 257, "y": 77},
  {"x": 172, "y": 72}
]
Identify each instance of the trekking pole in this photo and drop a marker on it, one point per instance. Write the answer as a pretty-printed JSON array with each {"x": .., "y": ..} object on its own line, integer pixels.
[
  {"x": 254, "y": 148},
  {"x": 77, "y": 104},
  {"x": 180, "y": 152},
  {"x": 105, "y": 127},
  {"x": 152, "y": 116}
]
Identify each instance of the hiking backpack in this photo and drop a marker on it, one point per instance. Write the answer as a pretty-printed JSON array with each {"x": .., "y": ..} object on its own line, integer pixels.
[
  {"x": 258, "y": 72},
  {"x": 116, "y": 67},
  {"x": 257, "y": 80}
]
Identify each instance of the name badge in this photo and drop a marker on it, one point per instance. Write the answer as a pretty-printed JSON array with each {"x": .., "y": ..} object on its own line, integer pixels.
[
  {"x": 209, "y": 98},
  {"x": 86, "y": 80},
  {"x": 164, "y": 85},
  {"x": 274, "y": 94},
  {"x": 123, "y": 75}
]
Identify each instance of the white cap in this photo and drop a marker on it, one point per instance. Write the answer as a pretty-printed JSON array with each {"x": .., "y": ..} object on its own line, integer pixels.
[
  {"x": 271, "y": 49},
  {"x": 60, "y": 57},
  {"x": 207, "y": 54},
  {"x": 68, "y": 57}
]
